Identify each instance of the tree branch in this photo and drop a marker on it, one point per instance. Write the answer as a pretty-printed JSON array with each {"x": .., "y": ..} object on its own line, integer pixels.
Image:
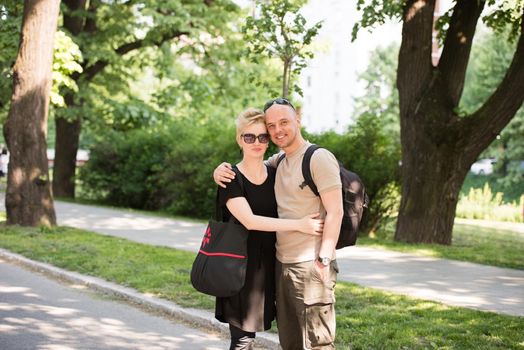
[
  {"x": 414, "y": 65},
  {"x": 457, "y": 46},
  {"x": 489, "y": 120},
  {"x": 74, "y": 23},
  {"x": 91, "y": 71},
  {"x": 90, "y": 25}
]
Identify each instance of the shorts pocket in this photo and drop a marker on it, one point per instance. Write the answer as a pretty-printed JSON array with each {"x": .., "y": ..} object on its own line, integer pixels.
[{"x": 320, "y": 325}]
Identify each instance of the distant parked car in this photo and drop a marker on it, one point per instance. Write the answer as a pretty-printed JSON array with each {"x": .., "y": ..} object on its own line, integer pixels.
[{"x": 483, "y": 166}]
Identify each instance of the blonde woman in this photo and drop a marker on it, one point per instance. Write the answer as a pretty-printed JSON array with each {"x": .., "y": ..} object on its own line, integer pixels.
[{"x": 253, "y": 308}]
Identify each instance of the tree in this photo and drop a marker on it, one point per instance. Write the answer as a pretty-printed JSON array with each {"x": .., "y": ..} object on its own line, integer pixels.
[
  {"x": 10, "y": 22},
  {"x": 438, "y": 143},
  {"x": 29, "y": 201},
  {"x": 111, "y": 36},
  {"x": 280, "y": 32},
  {"x": 491, "y": 57}
]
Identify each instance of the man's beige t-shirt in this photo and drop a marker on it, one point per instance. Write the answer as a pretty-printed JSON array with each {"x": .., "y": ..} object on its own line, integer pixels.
[{"x": 296, "y": 200}]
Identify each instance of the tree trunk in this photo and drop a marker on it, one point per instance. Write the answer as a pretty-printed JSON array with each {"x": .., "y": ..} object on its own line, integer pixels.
[
  {"x": 66, "y": 147},
  {"x": 67, "y": 136},
  {"x": 285, "y": 82},
  {"x": 432, "y": 175},
  {"x": 438, "y": 146},
  {"x": 67, "y": 141},
  {"x": 29, "y": 200}
]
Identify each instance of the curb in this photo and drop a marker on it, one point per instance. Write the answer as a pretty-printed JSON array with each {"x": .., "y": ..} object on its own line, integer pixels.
[{"x": 194, "y": 317}]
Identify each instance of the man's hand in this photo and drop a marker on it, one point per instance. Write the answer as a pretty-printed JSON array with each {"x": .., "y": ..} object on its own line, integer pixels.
[
  {"x": 322, "y": 270},
  {"x": 223, "y": 174}
]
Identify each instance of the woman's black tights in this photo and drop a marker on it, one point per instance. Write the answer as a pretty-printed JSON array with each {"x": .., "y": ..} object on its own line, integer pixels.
[{"x": 241, "y": 340}]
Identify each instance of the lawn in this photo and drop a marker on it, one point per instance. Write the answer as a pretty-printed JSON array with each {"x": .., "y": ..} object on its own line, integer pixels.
[{"x": 366, "y": 318}]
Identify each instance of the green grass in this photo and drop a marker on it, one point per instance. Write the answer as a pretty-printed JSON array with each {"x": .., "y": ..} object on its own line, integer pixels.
[
  {"x": 366, "y": 318},
  {"x": 476, "y": 244}
]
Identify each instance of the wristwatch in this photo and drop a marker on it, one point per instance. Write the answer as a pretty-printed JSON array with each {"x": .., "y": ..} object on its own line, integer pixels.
[{"x": 324, "y": 260}]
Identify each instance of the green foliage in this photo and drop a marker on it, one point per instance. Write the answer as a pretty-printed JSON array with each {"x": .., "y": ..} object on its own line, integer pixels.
[
  {"x": 121, "y": 167},
  {"x": 490, "y": 58},
  {"x": 168, "y": 169},
  {"x": 10, "y": 24},
  {"x": 500, "y": 15},
  {"x": 220, "y": 87},
  {"x": 505, "y": 13},
  {"x": 279, "y": 31},
  {"x": 481, "y": 203},
  {"x": 376, "y": 13},
  {"x": 66, "y": 61},
  {"x": 381, "y": 98},
  {"x": 171, "y": 168},
  {"x": 129, "y": 47},
  {"x": 511, "y": 190}
]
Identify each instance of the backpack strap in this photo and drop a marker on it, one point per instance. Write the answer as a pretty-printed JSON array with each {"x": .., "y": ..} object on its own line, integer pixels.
[
  {"x": 280, "y": 159},
  {"x": 306, "y": 169}
]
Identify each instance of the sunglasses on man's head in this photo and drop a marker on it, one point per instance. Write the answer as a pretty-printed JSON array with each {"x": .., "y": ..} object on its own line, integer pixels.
[
  {"x": 250, "y": 138},
  {"x": 278, "y": 101}
]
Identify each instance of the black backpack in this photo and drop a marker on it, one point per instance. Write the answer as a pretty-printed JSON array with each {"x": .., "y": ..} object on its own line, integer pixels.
[{"x": 354, "y": 196}]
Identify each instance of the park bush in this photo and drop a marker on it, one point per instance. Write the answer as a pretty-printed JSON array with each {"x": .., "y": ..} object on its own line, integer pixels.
[
  {"x": 483, "y": 204},
  {"x": 171, "y": 169},
  {"x": 122, "y": 168},
  {"x": 168, "y": 169}
]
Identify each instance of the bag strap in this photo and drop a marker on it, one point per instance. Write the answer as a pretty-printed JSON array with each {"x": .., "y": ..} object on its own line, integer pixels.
[
  {"x": 219, "y": 215},
  {"x": 306, "y": 169}
]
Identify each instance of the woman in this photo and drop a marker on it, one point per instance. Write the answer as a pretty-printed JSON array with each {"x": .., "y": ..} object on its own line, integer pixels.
[{"x": 253, "y": 308}]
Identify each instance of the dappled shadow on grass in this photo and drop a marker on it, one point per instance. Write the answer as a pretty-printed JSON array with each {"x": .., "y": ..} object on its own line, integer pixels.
[{"x": 368, "y": 319}]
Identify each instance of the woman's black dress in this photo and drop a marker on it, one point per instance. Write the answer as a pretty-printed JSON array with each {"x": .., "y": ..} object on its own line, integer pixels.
[{"x": 253, "y": 308}]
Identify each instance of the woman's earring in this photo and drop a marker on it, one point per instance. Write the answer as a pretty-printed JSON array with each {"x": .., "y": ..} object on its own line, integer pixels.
[{"x": 241, "y": 150}]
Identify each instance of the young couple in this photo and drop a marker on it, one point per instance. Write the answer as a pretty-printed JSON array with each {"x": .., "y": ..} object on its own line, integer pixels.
[{"x": 297, "y": 267}]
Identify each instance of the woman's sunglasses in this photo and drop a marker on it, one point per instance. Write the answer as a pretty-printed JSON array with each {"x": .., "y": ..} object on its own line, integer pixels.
[{"x": 250, "y": 138}]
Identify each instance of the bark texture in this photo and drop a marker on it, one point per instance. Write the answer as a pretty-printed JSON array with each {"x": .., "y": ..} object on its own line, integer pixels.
[
  {"x": 29, "y": 200},
  {"x": 438, "y": 146}
]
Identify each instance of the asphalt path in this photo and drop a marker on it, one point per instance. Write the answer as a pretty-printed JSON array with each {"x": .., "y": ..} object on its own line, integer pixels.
[
  {"x": 451, "y": 282},
  {"x": 37, "y": 312}
]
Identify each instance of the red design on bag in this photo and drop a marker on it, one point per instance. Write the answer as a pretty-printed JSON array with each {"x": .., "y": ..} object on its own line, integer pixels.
[
  {"x": 223, "y": 254},
  {"x": 207, "y": 237}
]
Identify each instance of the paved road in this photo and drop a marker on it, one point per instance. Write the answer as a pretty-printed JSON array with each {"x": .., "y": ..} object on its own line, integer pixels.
[
  {"x": 39, "y": 313},
  {"x": 451, "y": 282}
]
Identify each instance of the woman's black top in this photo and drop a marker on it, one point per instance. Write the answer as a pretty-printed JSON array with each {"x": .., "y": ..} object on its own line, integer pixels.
[{"x": 253, "y": 308}]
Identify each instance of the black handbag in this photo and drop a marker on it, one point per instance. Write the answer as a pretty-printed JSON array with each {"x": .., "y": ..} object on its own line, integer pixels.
[{"x": 220, "y": 266}]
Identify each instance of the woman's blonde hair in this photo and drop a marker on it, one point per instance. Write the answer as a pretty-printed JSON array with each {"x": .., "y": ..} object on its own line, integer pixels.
[{"x": 248, "y": 117}]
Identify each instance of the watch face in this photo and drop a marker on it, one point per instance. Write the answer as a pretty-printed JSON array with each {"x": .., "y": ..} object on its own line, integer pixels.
[{"x": 325, "y": 261}]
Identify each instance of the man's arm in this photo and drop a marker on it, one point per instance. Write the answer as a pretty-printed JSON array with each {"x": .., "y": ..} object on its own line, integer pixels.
[
  {"x": 223, "y": 174},
  {"x": 332, "y": 201}
]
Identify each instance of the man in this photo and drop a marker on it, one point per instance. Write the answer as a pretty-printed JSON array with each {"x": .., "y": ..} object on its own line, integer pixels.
[{"x": 306, "y": 269}]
